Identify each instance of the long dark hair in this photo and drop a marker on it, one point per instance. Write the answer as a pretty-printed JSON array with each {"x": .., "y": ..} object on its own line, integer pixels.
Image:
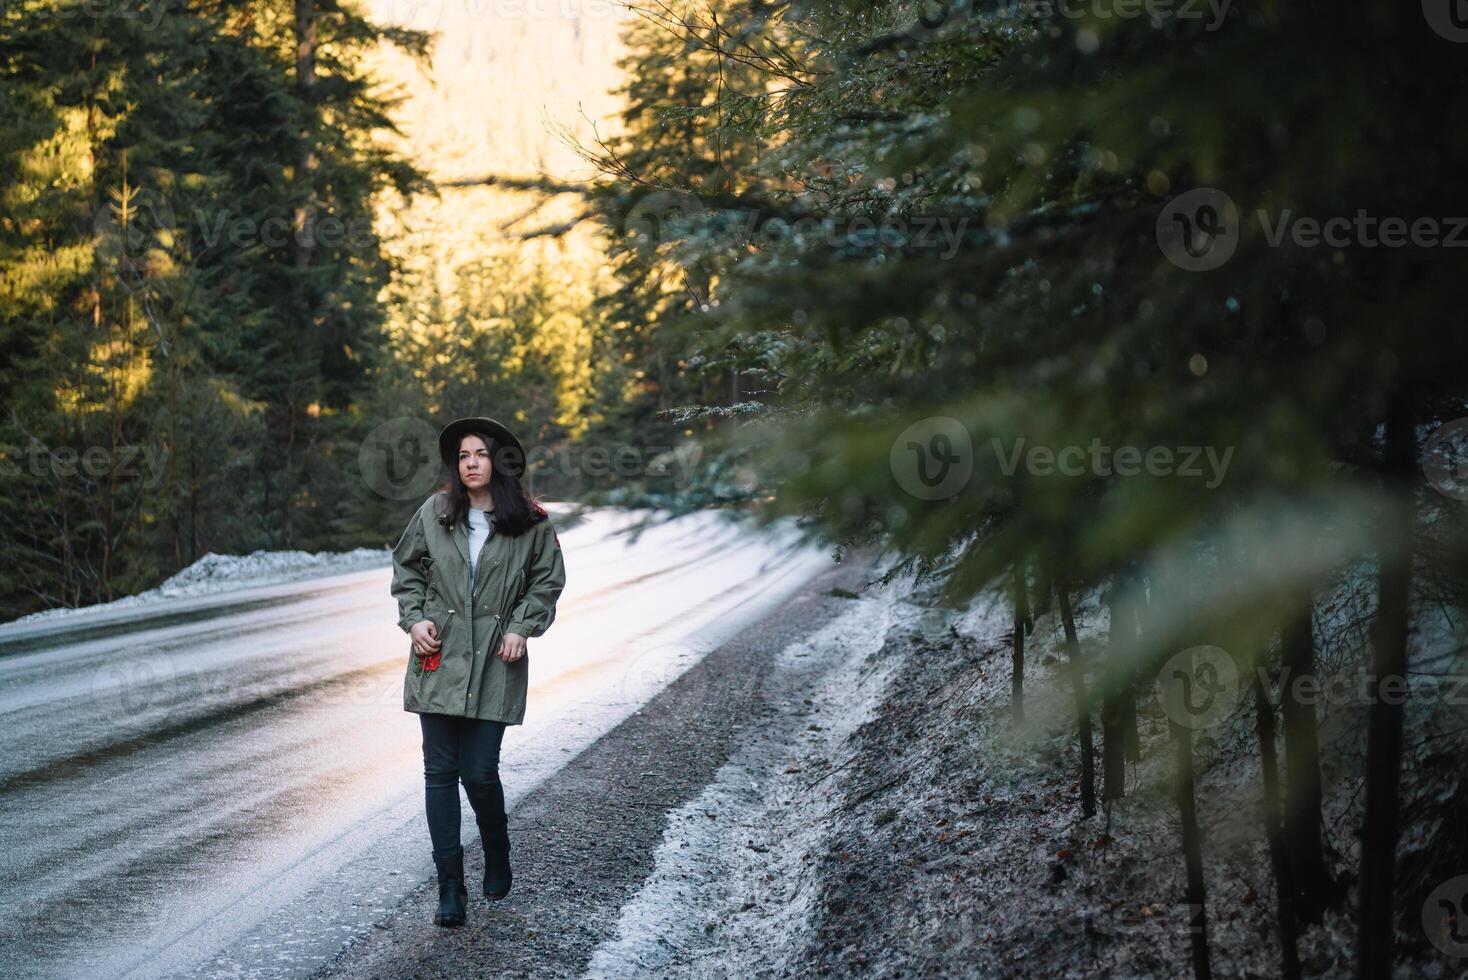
[{"x": 515, "y": 510}]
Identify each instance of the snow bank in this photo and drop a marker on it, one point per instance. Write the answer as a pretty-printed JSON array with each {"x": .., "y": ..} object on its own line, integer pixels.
[
  {"x": 224, "y": 573},
  {"x": 724, "y": 898},
  {"x": 215, "y": 573}
]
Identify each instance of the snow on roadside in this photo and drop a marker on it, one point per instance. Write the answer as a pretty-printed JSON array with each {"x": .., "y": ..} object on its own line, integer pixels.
[
  {"x": 901, "y": 823},
  {"x": 215, "y": 573},
  {"x": 729, "y": 885},
  {"x": 225, "y": 573}
]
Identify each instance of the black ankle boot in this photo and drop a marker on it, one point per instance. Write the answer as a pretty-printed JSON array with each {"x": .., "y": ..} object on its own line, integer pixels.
[
  {"x": 453, "y": 897},
  {"x": 496, "y": 837}
]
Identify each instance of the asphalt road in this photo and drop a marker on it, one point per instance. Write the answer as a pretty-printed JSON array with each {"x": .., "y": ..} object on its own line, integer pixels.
[{"x": 228, "y": 785}]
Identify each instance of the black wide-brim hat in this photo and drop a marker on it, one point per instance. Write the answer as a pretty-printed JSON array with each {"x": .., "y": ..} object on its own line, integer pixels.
[{"x": 508, "y": 456}]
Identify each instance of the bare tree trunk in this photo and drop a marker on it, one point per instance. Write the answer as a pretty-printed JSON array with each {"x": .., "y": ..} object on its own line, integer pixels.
[
  {"x": 663, "y": 383},
  {"x": 1384, "y": 723},
  {"x": 1021, "y": 616},
  {"x": 306, "y": 43},
  {"x": 1136, "y": 595},
  {"x": 1185, "y": 795},
  {"x": 1195, "y": 893},
  {"x": 1273, "y": 833},
  {"x": 1313, "y": 882},
  {"x": 1083, "y": 706},
  {"x": 1121, "y": 635}
]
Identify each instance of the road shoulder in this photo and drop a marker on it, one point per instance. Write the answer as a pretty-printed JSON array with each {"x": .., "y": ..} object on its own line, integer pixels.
[{"x": 584, "y": 841}]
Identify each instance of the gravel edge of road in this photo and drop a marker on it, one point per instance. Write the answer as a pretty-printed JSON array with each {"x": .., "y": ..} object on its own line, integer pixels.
[{"x": 584, "y": 840}]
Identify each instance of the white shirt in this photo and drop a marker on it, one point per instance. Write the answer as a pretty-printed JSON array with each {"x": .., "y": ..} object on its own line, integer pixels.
[{"x": 479, "y": 532}]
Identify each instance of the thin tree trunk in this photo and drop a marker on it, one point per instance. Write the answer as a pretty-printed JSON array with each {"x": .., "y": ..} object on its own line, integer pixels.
[
  {"x": 1384, "y": 721},
  {"x": 1195, "y": 893},
  {"x": 306, "y": 43},
  {"x": 1302, "y": 829},
  {"x": 1083, "y": 707},
  {"x": 1185, "y": 795},
  {"x": 1021, "y": 614},
  {"x": 1121, "y": 635},
  {"x": 1137, "y": 602},
  {"x": 1273, "y": 833}
]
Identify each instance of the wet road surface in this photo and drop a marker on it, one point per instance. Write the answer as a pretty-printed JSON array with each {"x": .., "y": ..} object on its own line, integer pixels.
[{"x": 228, "y": 785}]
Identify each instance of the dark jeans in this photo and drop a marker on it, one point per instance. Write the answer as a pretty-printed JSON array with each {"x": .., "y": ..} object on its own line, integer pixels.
[{"x": 455, "y": 749}]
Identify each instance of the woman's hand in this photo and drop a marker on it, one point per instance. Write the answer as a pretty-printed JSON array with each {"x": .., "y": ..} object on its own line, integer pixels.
[
  {"x": 512, "y": 648},
  {"x": 425, "y": 638}
]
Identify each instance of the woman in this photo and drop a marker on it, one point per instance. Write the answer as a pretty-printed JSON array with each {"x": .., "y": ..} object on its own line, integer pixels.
[{"x": 476, "y": 573}]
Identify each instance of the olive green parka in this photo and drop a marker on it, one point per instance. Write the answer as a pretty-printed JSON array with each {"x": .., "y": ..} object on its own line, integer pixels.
[{"x": 516, "y": 586}]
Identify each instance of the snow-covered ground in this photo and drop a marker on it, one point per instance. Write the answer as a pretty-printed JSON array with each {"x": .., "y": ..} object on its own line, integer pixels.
[
  {"x": 893, "y": 820},
  {"x": 716, "y": 871},
  {"x": 214, "y": 574}
]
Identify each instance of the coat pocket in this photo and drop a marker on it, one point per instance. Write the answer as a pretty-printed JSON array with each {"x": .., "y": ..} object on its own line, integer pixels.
[{"x": 430, "y": 664}]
